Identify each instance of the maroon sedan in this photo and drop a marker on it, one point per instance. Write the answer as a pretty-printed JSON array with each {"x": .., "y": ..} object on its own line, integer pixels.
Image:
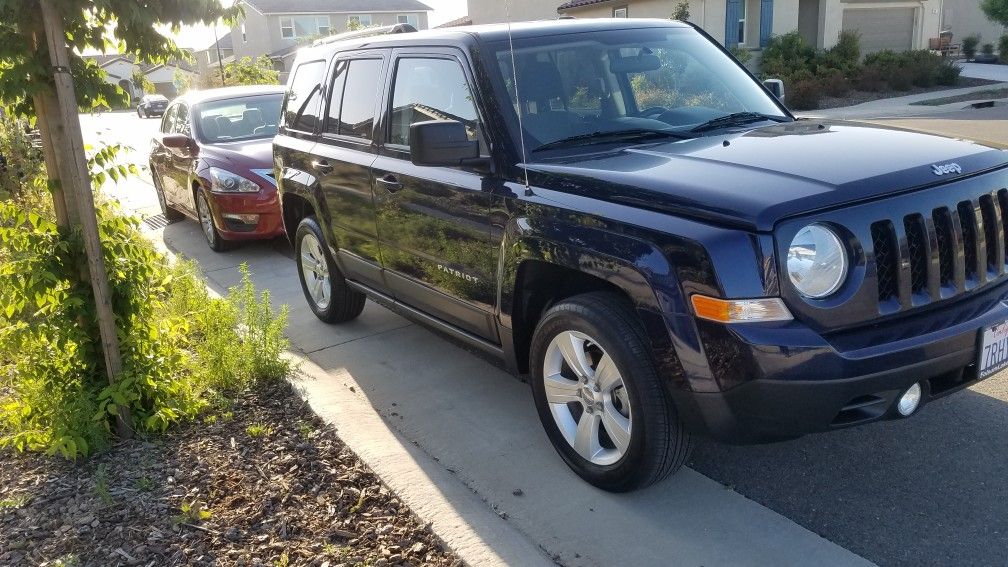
[{"x": 213, "y": 161}]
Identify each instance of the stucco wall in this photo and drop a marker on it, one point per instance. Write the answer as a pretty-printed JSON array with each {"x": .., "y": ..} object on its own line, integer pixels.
[
  {"x": 964, "y": 17},
  {"x": 493, "y": 12},
  {"x": 927, "y": 23}
]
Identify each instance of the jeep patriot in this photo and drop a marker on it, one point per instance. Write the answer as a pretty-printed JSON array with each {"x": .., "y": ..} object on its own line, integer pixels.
[{"x": 625, "y": 216}]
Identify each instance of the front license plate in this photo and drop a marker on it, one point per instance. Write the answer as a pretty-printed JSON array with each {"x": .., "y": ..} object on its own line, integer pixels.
[{"x": 993, "y": 350}]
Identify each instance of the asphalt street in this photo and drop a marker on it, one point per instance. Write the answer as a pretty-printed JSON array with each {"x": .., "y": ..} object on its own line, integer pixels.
[{"x": 931, "y": 490}]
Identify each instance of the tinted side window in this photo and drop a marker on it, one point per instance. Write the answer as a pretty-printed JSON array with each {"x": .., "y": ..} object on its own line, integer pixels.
[
  {"x": 304, "y": 97},
  {"x": 182, "y": 121},
  {"x": 430, "y": 89},
  {"x": 336, "y": 98},
  {"x": 359, "y": 95}
]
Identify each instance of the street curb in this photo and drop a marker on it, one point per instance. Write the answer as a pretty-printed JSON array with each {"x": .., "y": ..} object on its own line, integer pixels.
[{"x": 457, "y": 515}]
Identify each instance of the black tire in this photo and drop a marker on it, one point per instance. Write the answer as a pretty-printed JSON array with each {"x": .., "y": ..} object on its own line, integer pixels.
[
  {"x": 659, "y": 444},
  {"x": 212, "y": 235},
  {"x": 170, "y": 214},
  {"x": 141, "y": 113},
  {"x": 345, "y": 303}
]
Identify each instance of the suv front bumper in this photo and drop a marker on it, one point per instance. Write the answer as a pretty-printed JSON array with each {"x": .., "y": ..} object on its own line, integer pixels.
[{"x": 798, "y": 382}]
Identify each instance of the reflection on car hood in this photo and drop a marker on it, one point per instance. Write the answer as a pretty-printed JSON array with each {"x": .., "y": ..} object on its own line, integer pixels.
[
  {"x": 250, "y": 154},
  {"x": 759, "y": 177}
]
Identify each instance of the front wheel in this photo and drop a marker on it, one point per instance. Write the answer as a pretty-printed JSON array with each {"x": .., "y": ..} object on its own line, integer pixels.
[
  {"x": 213, "y": 237},
  {"x": 327, "y": 292},
  {"x": 599, "y": 395}
]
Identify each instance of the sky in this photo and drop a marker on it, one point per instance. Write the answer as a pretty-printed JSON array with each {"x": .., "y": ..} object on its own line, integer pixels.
[{"x": 199, "y": 37}]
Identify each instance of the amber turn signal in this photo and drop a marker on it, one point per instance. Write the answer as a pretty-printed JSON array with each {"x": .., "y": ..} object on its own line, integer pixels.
[{"x": 740, "y": 310}]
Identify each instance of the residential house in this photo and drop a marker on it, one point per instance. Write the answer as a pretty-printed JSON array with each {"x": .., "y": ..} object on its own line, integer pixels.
[
  {"x": 496, "y": 11},
  {"x": 221, "y": 50},
  {"x": 120, "y": 70},
  {"x": 277, "y": 27}
]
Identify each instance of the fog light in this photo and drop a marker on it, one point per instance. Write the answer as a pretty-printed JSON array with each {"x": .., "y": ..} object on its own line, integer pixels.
[
  {"x": 244, "y": 219},
  {"x": 909, "y": 401}
]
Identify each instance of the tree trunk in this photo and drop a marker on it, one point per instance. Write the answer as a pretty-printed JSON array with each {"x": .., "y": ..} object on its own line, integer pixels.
[{"x": 78, "y": 180}]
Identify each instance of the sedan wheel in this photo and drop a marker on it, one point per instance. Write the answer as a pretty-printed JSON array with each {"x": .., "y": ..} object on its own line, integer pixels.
[{"x": 217, "y": 244}]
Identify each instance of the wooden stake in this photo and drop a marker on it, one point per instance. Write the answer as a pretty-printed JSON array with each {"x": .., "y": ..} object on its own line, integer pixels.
[{"x": 72, "y": 148}]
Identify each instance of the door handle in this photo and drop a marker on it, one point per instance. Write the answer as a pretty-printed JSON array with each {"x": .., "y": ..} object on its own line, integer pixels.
[
  {"x": 322, "y": 166},
  {"x": 390, "y": 182}
]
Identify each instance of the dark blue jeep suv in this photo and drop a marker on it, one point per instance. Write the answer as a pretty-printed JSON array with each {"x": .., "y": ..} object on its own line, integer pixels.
[{"x": 632, "y": 221}]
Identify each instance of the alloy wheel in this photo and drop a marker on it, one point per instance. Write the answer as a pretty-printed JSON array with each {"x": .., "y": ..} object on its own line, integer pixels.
[
  {"x": 315, "y": 271},
  {"x": 587, "y": 398},
  {"x": 206, "y": 219}
]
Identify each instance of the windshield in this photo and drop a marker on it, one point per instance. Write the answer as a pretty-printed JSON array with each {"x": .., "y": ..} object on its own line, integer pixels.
[
  {"x": 234, "y": 119},
  {"x": 666, "y": 79}
]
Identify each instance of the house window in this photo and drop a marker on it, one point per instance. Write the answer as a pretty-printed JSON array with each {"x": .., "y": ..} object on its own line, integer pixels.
[
  {"x": 741, "y": 22},
  {"x": 410, "y": 19},
  {"x": 358, "y": 21},
  {"x": 619, "y": 12},
  {"x": 293, "y": 27}
]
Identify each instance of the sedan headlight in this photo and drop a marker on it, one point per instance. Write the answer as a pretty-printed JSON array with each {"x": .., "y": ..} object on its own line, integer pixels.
[
  {"x": 816, "y": 262},
  {"x": 223, "y": 181}
]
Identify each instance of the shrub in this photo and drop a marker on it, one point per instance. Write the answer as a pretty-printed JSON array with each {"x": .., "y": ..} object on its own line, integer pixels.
[
  {"x": 1003, "y": 48},
  {"x": 835, "y": 84},
  {"x": 785, "y": 55},
  {"x": 987, "y": 49},
  {"x": 681, "y": 11},
  {"x": 847, "y": 49},
  {"x": 872, "y": 79},
  {"x": 969, "y": 45},
  {"x": 805, "y": 95},
  {"x": 743, "y": 55},
  {"x": 948, "y": 73},
  {"x": 181, "y": 349}
]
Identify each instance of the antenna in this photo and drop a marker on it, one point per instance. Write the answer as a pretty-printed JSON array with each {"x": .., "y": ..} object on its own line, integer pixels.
[{"x": 514, "y": 77}]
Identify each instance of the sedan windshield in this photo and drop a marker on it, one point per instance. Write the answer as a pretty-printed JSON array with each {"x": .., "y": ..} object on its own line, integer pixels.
[
  {"x": 235, "y": 119},
  {"x": 667, "y": 80}
]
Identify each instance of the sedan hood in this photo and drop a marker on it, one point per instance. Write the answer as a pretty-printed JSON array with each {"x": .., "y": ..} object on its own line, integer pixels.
[
  {"x": 250, "y": 154},
  {"x": 755, "y": 179}
]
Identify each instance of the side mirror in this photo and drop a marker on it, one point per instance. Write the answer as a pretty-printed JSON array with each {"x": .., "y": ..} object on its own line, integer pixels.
[
  {"x": 441, "y": 143},
  {"x": 776, "y": 87},
  {"x": 180, "y": 144}
]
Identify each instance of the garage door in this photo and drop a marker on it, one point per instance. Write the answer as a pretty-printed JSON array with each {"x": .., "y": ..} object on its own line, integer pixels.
[{"x": 881, "y": 28}]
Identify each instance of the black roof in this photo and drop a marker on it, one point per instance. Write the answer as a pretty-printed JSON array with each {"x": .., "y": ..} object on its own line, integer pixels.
[
  {"x": 489, "y": 33},
  {"x": 327, "y": 6}
]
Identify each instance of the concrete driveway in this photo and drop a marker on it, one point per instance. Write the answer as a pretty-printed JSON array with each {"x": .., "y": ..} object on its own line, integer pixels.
[
  {"x": 985, "y": 71},
  {"x": 929, "y": 490}
]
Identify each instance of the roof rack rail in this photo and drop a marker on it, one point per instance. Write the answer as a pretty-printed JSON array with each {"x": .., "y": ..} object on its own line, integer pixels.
[{"x": 366, "y": 32}]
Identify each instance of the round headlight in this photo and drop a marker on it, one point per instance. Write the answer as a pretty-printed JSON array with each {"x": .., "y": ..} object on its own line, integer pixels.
[{"x": 816, "y": 262}]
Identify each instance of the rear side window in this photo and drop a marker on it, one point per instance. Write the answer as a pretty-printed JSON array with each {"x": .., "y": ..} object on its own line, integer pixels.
[
  {"x": 304, "y": 97},
  {"x": 359, "y": 95},
  {"x": 336, "y": 98},
  {"x": 430, "y": 89}
]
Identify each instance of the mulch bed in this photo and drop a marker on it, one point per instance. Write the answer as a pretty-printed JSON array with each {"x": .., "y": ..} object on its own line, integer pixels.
[
  {"x": 858, "y": 97},
  {"x": 265, "y": 483}
]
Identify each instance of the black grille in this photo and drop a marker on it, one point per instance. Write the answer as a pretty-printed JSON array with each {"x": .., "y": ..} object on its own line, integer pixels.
[
  {"x": 941, "y": 254},
  {"x": 886, "y": 258},
  {"x": 917, "y": 247}
]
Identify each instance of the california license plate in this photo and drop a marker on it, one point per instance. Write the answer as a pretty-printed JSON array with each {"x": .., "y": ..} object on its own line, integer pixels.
[{"x": 993, "y": 350}]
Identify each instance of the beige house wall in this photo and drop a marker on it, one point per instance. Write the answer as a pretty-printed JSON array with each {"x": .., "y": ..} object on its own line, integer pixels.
[
  {"x": 493, "y": 11},
  {"x": 927, "y": 18}
]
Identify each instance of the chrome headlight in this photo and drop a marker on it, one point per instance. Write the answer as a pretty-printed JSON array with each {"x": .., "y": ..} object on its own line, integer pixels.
[
  {"x": 816, "y": 262},
  {"x": 223, "y": 181}
]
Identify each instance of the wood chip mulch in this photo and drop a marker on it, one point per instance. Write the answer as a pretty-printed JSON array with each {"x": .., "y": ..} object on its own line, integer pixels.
[{"x": 265, "y": 483}]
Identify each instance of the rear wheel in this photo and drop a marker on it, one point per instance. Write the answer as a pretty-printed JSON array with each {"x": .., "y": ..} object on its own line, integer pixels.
[
  {"x": 599, "y": 395},
  {"x": 141, "y": 113},
  {"x": 324, "y": 286}
]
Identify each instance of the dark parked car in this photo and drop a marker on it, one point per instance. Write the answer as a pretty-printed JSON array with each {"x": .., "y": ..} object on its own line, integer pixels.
[
  {"x": 212, "y": 160},
  {"x": 620, "y": 211},
  {"x": 152, "y": 105}
]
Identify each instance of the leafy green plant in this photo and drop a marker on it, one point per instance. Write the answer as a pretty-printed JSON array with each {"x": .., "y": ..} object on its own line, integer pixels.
[
  {"x": 969, "y": 45},
  {"x": 258, "y": 430},
  {"x": 192, "y": 513},
  {"x": 805, "y": 95},
  {"x": 996, "y": 10},
  {"x": 987, "y": 49},
  {"x": 681, "y": 11},
  {"x": 1003, "y": 48},
  {"x": 742, "y": 54}
]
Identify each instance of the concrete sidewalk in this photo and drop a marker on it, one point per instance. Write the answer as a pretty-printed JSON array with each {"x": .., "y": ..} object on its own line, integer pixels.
[
  {"x": 901, "y": 107},
  {"x": 459, "y": 440}
]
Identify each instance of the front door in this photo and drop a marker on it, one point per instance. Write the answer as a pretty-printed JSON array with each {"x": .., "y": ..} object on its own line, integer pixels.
[{"x": 433, "y": 222}]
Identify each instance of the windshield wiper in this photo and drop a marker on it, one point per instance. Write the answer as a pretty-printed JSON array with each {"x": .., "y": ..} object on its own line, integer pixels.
[
  {"x": 736, "y": 119},
  {"x": 634, "y": 135}
]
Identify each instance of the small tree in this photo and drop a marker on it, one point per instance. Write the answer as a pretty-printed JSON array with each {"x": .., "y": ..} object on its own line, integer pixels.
[
  {"x": 246, "y": 71},
  {"x": 142, "y": 82},
  {"x": 996, "y": 10},
  {"x": 969, "y": 45},
  {"x": 681, "y": 11}
]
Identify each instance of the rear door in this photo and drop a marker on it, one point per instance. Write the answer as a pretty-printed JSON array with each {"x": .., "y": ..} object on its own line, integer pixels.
[
  {"x": 161, "y": 158},
  {"x": 343, "y": 160},
  {"x": 434, "y": 222},
  {"x": 180, "y": 162}
]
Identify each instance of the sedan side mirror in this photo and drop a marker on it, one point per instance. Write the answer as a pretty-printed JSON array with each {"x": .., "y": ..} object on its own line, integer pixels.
[
  {"x": 180, "y": 144},
  {"x": 441, "y": 143},
  {"x": 776, "y": 87}
]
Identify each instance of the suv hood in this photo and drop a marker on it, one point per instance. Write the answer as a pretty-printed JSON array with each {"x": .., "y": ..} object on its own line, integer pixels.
[{"x": 756, "y": 178}]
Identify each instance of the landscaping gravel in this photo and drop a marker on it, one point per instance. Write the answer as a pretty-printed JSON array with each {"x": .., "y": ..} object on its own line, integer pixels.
[{"x": 262, "y": 483}]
